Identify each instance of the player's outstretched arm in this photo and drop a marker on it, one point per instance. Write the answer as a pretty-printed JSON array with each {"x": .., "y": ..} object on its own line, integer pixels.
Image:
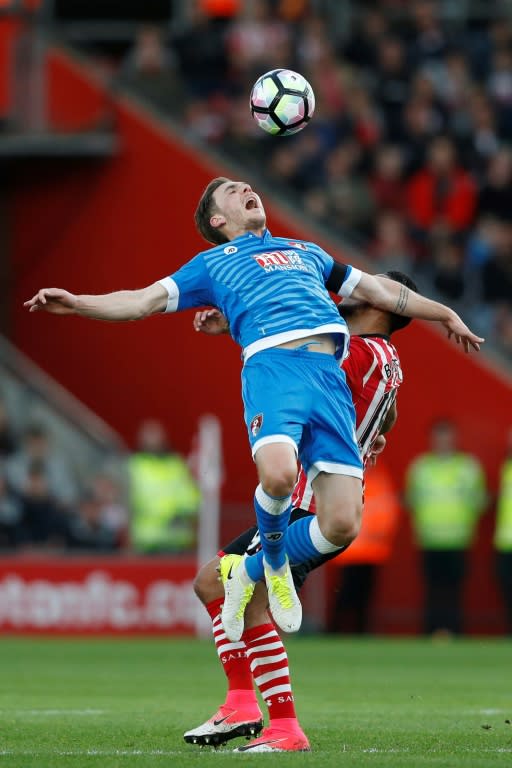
[
  {"x": 394, "y": 297},
  {"x": 117, "y": 306}
]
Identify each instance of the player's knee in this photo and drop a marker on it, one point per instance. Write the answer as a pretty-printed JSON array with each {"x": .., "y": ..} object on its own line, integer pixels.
[
  {"x": 343, "y": 526},
  {"x": 206, "y": 583},
  {"x": 279, "y": 482}
]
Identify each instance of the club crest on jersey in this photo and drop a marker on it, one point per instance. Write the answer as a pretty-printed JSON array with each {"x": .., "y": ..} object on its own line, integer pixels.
[
  {"x": 256, "y": 424},
  {"x": 294, "y": 244},
  {"x": 230, "y": 249},
  {"x": 273, "y": 261}
]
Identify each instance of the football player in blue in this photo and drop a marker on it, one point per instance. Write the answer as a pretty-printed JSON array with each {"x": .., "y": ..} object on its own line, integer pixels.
[{"x": 272, "y": 291}]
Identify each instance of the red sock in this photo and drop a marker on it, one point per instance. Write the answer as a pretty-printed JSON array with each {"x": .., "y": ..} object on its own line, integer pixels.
[
  {"x": 269, "y": 666},
  {"x": 234, "y": 662}
]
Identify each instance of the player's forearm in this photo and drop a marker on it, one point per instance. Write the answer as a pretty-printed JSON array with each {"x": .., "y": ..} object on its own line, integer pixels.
[
  {"x": 118, "y": 306},
  {"x": 390, "y": 420},
  {"x": 394, "y": 297},
  {"x": 123, "y": 305}
]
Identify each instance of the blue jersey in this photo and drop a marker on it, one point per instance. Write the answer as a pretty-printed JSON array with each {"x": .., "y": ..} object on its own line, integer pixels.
[{"x": 271, "y": 290}]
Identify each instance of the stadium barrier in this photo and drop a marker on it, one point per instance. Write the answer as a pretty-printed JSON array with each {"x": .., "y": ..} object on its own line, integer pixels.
[{"x": 97, "y": 596}]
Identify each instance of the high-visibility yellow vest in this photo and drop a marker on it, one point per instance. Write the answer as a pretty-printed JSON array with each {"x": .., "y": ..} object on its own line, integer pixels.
[
  {"x": 164, "y": 503},
  {"x": 446, "y": 494},
  {"x": 503, "y": 531}
]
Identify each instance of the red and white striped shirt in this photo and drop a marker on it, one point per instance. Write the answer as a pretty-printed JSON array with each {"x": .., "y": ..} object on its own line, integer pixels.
[{"x": 374, "y": 374}]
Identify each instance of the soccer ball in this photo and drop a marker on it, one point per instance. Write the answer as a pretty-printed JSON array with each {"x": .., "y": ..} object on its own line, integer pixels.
[{"x": 282, "y": 102}]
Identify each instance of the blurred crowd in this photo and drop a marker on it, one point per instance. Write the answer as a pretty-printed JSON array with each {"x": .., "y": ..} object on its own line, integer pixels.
[
  {"x": 146, "y": 502},
  {"x": 408, "y": 152}
]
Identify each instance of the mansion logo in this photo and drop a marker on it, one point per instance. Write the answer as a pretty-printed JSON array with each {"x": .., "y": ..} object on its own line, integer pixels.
[{"x": 280, "y": 261}]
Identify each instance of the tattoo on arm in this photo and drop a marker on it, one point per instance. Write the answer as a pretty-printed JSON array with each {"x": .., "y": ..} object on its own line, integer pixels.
[{"x": 403, "y": 298}]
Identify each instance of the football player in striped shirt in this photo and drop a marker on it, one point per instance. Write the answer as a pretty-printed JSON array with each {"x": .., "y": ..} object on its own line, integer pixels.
[
  {"x": 273, "y": 292},
  {"x": 374, "y": 374}
]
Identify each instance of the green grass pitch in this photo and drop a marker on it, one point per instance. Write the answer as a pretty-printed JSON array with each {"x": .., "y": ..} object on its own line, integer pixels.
[{"x": 371, "y": 702}]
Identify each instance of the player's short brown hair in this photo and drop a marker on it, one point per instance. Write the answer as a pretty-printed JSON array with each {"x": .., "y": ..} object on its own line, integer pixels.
[{"x": 204, "y": 211}]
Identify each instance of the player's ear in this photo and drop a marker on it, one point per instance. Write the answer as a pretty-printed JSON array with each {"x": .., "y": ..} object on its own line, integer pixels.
[{"x": 217, "y": 220}]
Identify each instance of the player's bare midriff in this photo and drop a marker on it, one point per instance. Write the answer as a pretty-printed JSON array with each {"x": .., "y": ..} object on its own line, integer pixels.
[{"x": 322, "y": 342}]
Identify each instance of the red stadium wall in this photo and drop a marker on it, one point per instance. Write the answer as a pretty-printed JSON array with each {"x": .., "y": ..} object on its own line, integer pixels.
[{"x": 103, "y": 225}]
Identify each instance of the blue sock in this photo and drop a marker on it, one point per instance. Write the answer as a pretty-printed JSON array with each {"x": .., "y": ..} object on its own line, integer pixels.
[
  {"x": 304, "y": 540},
  {"x": 272, "y": 516}
]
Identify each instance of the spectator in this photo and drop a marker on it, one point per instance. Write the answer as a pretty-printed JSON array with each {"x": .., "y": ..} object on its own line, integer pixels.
[
  {"x": 283, "y": 167},
  {"x": 88, "y": 530},
  {"x": 500, "y": 86},
  {"x": 503, "y": 533},
  {"x": 418, "y": 127},
  {"x": 367, "y": 128},
  {"x": 495, "y": 195},
  {"x": 349, "y": 196},
  {"x": 496, "y": 275},
  {"x": 316, "y": 204},
  {"x": 313, "y": 39},
  {"x": 392, "y": 83},
  {"x": 484, "y": 138},
  {"x": 392, "y": 246},
  {"x": 11, "y": 513},
  {"x": 445, "y": 492},
  {"x": 201, "y": 53},
  {"x": 150, "y": 68},
  {"x": 164, "y": 498},
  {"x": 330, "y": 81},
  {"x": 202, "y": 122},
  {"x": 448, "y": 269},
  {"x": 386, "y": 182},
  {"x": 258, "y": 41},
  {"x": 7, "y": 438},
  {"x": 37, "y": 450},
  {"x": 423, "y": 92},
  {"x": 43, "y": 523},
  {"x": 453, "y": 87},
  {"x": 113, "y": 511},
  {"x": 442, "y": 195},
  {"x": 363, "y": 42},
  {"x": 429, "y": 41}
]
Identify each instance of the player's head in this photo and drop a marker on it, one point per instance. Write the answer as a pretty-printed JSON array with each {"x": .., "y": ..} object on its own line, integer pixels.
[
  {"x": 228, "y": 209},
  {"x": 443, "y": 436},
  {"x": 364, "y": 318}
]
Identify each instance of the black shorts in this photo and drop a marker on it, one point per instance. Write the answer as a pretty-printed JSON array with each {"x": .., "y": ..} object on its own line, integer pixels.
[{"x": 249, "y": 543}]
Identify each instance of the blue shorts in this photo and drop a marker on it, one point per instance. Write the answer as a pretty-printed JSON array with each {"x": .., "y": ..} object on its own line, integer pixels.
[{"x": 300, "y": 397}]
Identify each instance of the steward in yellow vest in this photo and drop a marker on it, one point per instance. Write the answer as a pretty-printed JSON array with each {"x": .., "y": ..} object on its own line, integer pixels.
[
  {"x": 445, "y": 491},
  {"x": 446, "y": 494},
  {"x": 164, "y": 497}
]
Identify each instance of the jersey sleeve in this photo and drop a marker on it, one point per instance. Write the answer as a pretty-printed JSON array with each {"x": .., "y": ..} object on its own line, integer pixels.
[
  {"x": 189, "y": 287},
  {"x": 338, "y": 278}
]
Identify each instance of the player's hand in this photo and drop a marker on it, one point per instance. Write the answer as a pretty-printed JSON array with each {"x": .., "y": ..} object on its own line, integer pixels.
[
  {"x": 377, "y": 448},
  {"x": 461, "y": 333},
  {"x": 211, "y": 321},
  {"x": 54, "y": 300}
]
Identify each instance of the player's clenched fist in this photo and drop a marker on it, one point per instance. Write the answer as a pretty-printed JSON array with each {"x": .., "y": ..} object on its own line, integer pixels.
[{"x": 54, "y": 300}]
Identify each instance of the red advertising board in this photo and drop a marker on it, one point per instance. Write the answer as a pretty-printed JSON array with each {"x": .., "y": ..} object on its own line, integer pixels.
[{"x": 94, "y": 596}]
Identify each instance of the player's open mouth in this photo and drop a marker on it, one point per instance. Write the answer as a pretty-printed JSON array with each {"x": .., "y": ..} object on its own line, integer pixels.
[{"x": 251, "y": 203}]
